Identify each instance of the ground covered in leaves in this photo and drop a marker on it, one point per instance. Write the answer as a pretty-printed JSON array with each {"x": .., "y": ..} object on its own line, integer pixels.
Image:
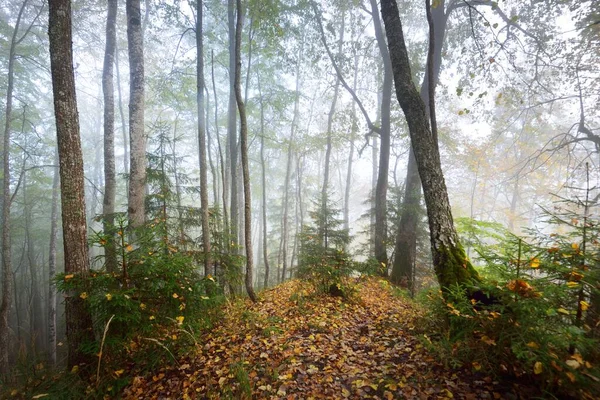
[{"x": 295, "y": 344}]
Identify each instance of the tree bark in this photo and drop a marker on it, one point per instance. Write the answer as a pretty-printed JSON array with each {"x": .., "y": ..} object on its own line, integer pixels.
[
  {"x": 52, "y": 267},
  {"x": 449, "y": 260},
  {"x": 202, "y": 136},
  {"x": 137, "y": 178},
  {"x": 110, "y": 180},
  {"x": 78, "y": 318},
  {"x": 244, "y": 151}
]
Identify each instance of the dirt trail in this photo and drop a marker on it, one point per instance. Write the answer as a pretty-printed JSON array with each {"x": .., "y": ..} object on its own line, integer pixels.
[{"x": 294, "y": 345}]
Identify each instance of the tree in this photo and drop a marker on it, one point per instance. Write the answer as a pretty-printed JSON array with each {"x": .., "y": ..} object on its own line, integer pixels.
[
  {"x": 232, "y": 145},
  {"x": 6, "y": 201},
  {"x": 78, "y": 318},
  {"x": 202, "y": 136},
  {"x": 137, "y": 178},
  {"x": 110, "y": 180},
  {"x": 449, "y": 259},
  {"x": 244, "y": 151}
]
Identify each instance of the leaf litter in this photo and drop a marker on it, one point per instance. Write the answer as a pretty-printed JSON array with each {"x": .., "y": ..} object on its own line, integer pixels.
[{"x": 295, "y": 344}]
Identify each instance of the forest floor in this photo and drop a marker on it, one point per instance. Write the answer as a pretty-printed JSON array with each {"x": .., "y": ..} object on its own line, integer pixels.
[{"x": 297, "y": 345}]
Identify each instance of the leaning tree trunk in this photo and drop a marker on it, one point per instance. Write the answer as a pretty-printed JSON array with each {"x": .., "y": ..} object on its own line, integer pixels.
[
  {"x": 137, "y": 178},
  {"x": 77, "y": 315},
  {"x": 110, "y": 180},
  {"x": 406, "y": 239},
  {"x": 244, "y": 151},
  {"x": 449, "y": 260},
  {"x": 202, "y": 136}
]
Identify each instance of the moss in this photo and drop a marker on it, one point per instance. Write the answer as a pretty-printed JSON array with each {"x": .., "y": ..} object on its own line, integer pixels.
[{"x": 452, "y": 267}]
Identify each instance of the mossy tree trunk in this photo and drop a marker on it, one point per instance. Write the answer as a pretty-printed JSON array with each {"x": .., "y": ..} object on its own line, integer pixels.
[{"x": 449, "y": 259}]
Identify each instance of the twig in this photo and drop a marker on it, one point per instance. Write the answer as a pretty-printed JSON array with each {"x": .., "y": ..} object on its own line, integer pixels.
[{"x": 102, "y": 347}]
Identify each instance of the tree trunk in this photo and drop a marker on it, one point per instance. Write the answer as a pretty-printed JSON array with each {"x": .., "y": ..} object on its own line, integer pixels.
[
  {"x": 123, "y": 123},
  {"x": 265, "y": 244},
  {"x": 336, "y": 90},
  {"x": 110, "y": 180},
  {"x": 52, "y": 267},
  {"x": 6, "y": 200},
  {"x": 209, "y": 147},
  {"x": 232, "y": 126},
  {"x": 202, "y": 136},
  {"x": 351, "y": 155},
  {"x": 406, "y": 239},
  {"x": 137, "y": 178},
  {"x": 384, "y": 146},
  {"x": 244, "y": 151},
  {"x": 78, "y": 318},
  {"x": 449, "y": 260},
  {"x": 288, "y": 170},
  {"x": 218, "y": 136},
  {"x": 36, "y": 326}
]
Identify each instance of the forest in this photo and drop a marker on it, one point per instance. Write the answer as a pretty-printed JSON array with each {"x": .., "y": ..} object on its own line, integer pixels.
[{"x": 300, "y": 199}]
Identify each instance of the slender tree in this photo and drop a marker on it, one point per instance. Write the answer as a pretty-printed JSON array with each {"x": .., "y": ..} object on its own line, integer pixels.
[
  {"x": 78, "y": 318},
  {"x": 137, "y": 178},
  {"x": 263, "y": 176},
  {"x": 449, "y": 260},
  {"x": 202, "y": 136},
  {"x": 7, "y": 276},
  {"x": 244, "y": 151},
  {"x": 110, "y": 180},
  {"x": 232, "y": 145}
]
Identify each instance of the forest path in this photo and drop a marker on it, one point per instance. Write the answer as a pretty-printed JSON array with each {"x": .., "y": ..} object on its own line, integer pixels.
[{"x": 296, "y": 345}]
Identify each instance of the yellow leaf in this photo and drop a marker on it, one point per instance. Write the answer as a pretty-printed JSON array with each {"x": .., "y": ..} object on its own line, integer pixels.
[
  {"x": 534, "y": 263},
  {"x": 533, "y": 345},
  {"x": 572, "y": 284},
  {"x": 175, "y": 295},
  {"x": 345, "y": 393},
  {"x": 83, "y": 295},
  {"x": 573, "y": 364},
  {"x": 538, "y": 368},
  {"x": 575, "y": 246},
  {"x": 571, "y": 376},
  {"x": 584, "y": 305},
  {"x": 128, "y": 248},
  {"x": 563, "y": 311},
  {"x": 180, "y": 319},
  {"x": 75, "y": 369},
  {"x": 14, "y": 392},
  {"x": 108, "y": 296},
  {"x": 174, "y": 337},
  {"x": 119, "y": 372},
  {"x": 448, "y": 394},
  {"x": 70, "y": 276},
  {"x": 142, "y": 306},
  {"x": 39, "y": 396},
  {"x": 152, "y": 317},
  {"x": 476, "y": 366}
]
